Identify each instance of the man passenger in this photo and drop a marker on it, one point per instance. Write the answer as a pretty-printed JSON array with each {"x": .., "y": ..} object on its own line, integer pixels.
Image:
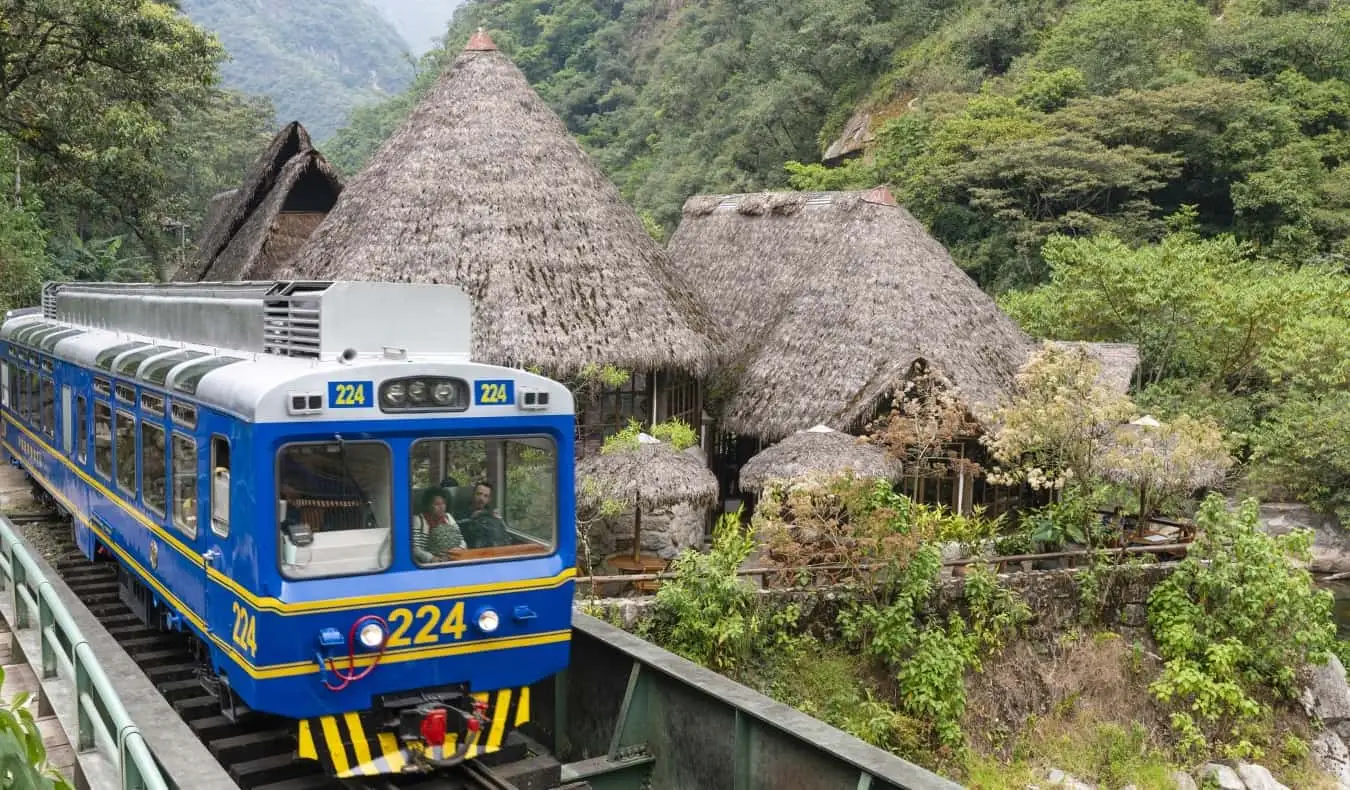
[{"x": 485, "y": 526}]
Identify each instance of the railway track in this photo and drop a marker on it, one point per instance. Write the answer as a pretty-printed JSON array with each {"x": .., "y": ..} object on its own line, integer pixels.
[{"x": 258, "y": 753}]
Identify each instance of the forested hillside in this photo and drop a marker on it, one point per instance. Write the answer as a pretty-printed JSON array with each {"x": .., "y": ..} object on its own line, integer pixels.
[
  {"x": 1163, "y": 172},
  {"x": 316, "y": 61},
  {"x": 113, "y": 137}
]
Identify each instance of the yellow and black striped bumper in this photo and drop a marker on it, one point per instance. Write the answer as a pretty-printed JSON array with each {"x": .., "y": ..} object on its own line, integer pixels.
[{"x": 348, "y": 748}]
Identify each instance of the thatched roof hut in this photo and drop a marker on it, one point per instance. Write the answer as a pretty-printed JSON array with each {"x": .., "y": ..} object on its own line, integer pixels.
[
  {"x": 482, "y": 186},
  {"x": 304, "y": 191},
  {"x": 224, "y": 219},
  {"x": 846, "y": 292},
  {"x": 819, "y": 450},
  {"x": 653, "y": 471}
]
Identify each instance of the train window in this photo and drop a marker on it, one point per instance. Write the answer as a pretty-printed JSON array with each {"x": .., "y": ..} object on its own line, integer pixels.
[
  {"x": 48, "y": 407},
  {"x": 102, "y": 387},
  {"x": 474, "y": 499},
  {"x": 185, "y": 485},
  {"x": 68, "y": 421},
  {"x": 103, "y": 440},
  {"x": 129, "y": 363},
  {"x": 157, "y": 371},
  {"x": 82, "y": 429},
  {"x": 187, "y": 381},
  {"x": 4, "y": 383},
  {"x": 104, "y": 359},
  {"x": 220, "y": 486},
  {"x": 124, "y": 426},
  {"x": 154, "y": 475},
  {"x": 335, "y": 508}
]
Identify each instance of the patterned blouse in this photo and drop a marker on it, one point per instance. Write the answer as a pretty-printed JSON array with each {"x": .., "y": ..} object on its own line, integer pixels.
[{"x": 431, "y": 543}]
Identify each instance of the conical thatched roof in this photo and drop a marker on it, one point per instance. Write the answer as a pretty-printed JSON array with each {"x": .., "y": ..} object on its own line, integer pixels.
[
  {"x": 225, "y": 219},
  {"x": 827, "y": 300},
  {"x": 653, "y": 470},
  {"x": 819, "y": 450},
  {"x": 482, "y": 186},
  {"x": 304, "y": 191}
]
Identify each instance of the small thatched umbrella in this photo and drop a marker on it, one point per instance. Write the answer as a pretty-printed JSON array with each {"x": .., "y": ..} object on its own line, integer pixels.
[
  {"x": 818, "y": 450},
  {"x": 1181, "y": 456},
  {"x": 652, "y": 473}
]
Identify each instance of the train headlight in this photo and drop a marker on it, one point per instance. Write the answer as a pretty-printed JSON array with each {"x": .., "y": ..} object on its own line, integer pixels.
[
  {"x": 372, "y": 635},
  {"x": 424, "y": 394},
  {"x": 487, "y": 621}
]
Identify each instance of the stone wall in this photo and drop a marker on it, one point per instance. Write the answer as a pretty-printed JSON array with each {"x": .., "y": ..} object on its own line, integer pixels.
[
  {"x": 1054, "y": 597},
  {"x": 666, "y": 531}
]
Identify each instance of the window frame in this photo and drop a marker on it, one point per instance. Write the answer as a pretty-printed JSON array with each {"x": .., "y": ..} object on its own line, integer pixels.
[
  {"x": 393, "y": 509},
  {"x": 220, "y": 525},
  {"x": 191, "y": 460},
  {"x": 552, "y": 546},
  {"x": 47, "y": 405},
  {"x": 143, "y": 467},
  {"x": 106, "y": 474},
  {"x": 135, "y": 453},
  {"x": 82, "y": 429}
]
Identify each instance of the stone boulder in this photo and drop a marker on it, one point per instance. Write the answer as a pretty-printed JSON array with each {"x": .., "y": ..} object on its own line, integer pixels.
[
  {"x": 1330, "y": 754},
  {"x": 1326, "y": 696},
  {"x": 1256, "y": 777},
  {"x": 1226, "y": 778},
  {"x": 1331, "y": 542}
]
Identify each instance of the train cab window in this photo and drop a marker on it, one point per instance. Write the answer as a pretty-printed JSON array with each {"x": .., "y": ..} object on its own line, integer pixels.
[
  {"x": 154, "y": 474},
  {"x": 124, "y": 427},
  {"x": 103, "y": 450},
  {"x": 185, "y": 485},
  {"x": 220, "y": 486},
  {"x": 335, "y": 508},
  {"x": 81, "y": 429},
  {"x": 475, "y": 499}
]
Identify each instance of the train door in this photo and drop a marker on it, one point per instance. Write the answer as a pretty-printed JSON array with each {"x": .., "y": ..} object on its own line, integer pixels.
[{"x": 229, "y": 620}]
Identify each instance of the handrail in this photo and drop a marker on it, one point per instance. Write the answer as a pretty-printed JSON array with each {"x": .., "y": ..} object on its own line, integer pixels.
[{"x": 103, "y": 724}]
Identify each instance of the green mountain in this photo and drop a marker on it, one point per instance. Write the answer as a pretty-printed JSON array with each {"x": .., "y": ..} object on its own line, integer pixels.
[{"x": 316, "y": 61}]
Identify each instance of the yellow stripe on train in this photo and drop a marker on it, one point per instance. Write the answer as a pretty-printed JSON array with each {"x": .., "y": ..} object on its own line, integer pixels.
[{"x": 347, "y": 748}]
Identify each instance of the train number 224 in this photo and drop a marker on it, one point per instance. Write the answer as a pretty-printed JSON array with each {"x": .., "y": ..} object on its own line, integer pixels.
[
  {"x": 427, "y": 618},
  {"x": 245, "y": 630}
]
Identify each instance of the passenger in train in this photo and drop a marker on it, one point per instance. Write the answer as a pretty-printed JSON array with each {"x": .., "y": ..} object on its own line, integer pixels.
[
  {"x": 435, "y": 535},
  {"x": 485, "y": 526}
]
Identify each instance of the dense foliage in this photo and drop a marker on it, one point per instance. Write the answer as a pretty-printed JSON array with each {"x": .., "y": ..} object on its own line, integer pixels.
[
  {"x": 1234, "y": 624},
  {"x": 113, "y": 137},
  {"x": 316, "y": 61}
]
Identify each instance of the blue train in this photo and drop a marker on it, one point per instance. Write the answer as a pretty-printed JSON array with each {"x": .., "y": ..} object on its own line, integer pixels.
[{"x": 369, "y": 533}]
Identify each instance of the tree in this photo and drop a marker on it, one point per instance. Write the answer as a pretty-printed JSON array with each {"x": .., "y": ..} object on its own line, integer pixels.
[
  {"x": 1055, "y": 426},
  {"x": 91, "y": 89},
  {"x": 1166, "y": 460}
]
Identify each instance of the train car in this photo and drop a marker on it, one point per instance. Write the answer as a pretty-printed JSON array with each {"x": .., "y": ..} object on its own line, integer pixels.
[{"x": 369, "y": 534}]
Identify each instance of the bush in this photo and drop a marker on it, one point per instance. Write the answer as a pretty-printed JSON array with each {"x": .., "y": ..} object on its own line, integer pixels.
[{"x": 1233, "y": 624}]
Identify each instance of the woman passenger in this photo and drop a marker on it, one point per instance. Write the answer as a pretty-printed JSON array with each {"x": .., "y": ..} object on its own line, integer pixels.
[{"x": 435, "y": 533}]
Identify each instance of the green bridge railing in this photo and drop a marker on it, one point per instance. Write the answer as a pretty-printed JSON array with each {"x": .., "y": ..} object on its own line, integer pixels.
[{"x": 102, "y": 724}]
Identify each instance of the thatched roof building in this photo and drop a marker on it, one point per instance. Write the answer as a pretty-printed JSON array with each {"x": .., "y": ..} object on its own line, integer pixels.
[
  {"x": 482, "y": 186},
  {"x": 250, "y": 230},
  {"x": 843, "y": 293},
  {"x": 305, "y": 190},
  {"x": 818, "y": 451}
]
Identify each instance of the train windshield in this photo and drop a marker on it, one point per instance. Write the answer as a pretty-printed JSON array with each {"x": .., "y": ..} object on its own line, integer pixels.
[
  {"x": 475, "y": 499},
  {"x": 334, "y": 508}
]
